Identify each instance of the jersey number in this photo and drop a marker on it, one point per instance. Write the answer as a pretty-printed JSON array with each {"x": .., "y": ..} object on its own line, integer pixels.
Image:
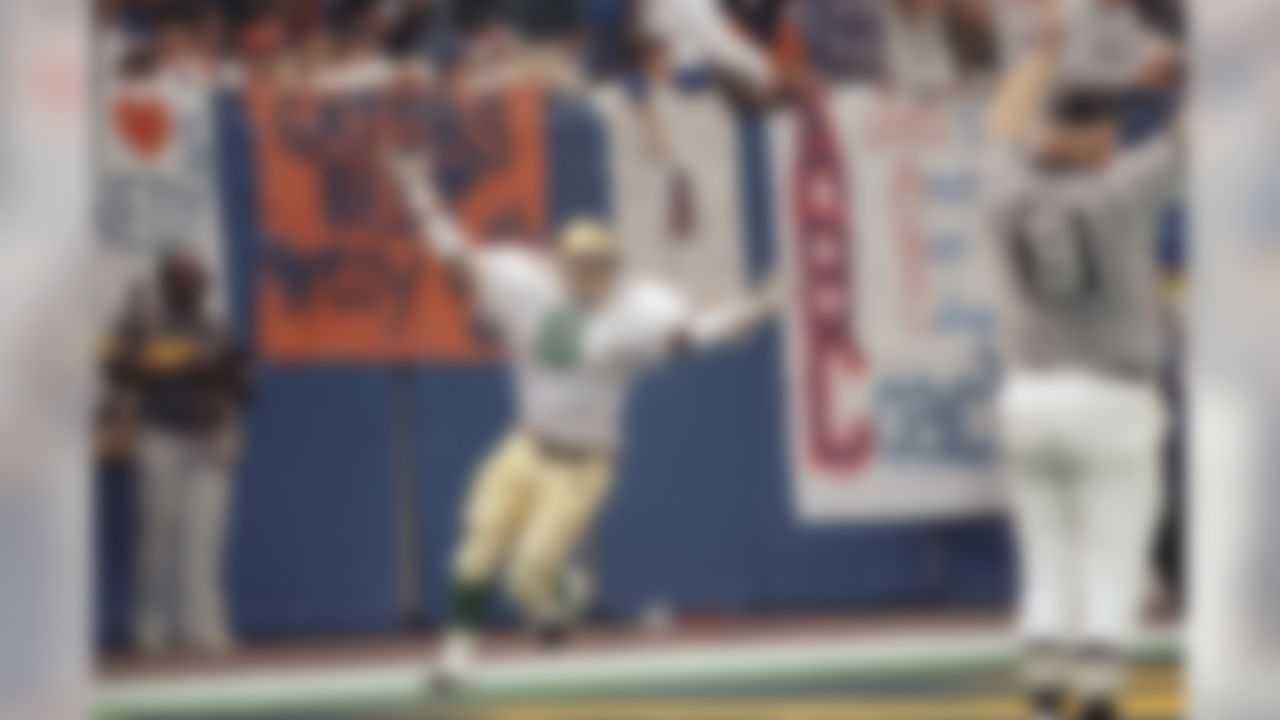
[
  {"x": 560, "y": 340},
  {"x": 1055, "y": 258}
]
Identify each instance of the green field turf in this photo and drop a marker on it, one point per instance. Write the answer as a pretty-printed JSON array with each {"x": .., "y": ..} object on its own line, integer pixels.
[{"x": 982, "y": 690}]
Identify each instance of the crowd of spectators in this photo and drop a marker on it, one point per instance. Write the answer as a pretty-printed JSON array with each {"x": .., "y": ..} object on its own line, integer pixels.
[{"x": 761, "y": 50}]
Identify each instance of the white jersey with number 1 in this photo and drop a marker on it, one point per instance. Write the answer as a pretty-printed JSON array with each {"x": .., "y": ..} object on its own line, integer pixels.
[{"x": 573, "y": 366}]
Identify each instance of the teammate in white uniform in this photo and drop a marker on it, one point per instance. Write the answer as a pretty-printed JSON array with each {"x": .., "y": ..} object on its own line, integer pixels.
[
  {"x": 1082, "y": 417},
  {"x": 578, "y": 331}
]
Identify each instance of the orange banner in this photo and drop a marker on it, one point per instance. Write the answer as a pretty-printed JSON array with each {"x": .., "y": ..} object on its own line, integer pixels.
[{"x": 342, "y": 276}]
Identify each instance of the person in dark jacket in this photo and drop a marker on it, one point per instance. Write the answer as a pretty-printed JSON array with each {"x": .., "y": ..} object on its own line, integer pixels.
[{"x": 188, "y": 382}]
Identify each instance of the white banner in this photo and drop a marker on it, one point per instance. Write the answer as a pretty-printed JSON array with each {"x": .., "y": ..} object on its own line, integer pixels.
[
  {"x": 891, "y": 361},
  {"x": 157, "y": 181},
  {"x": 676, "y": 182}
]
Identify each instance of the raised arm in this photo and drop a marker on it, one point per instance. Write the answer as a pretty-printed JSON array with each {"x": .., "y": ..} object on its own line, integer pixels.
[
  {"x": 661, "y": 326},
  {"x": 436, "y": 226},
  {"x": 728, "y": 50},
  {"x": 733, "y": 321},
  {"x": 1018, "y": 111}
]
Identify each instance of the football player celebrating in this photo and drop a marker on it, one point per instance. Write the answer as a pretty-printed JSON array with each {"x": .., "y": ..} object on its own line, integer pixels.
[{"x": 578, "y": 329}]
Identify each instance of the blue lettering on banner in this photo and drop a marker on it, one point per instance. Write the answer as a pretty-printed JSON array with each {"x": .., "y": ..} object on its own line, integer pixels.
[
  {"x": 958, "y": 188},
  {"x": 925, "y": 420},
  {"x": 348, "y": 278}
]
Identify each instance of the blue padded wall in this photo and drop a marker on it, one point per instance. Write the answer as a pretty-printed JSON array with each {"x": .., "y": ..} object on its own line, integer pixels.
[
  {"x": 314, "y": 536},
  {"x": 461, "y": 414}
]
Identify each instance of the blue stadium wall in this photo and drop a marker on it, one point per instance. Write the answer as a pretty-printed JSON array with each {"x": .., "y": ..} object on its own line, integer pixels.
[{"x": 701, "y": 520}]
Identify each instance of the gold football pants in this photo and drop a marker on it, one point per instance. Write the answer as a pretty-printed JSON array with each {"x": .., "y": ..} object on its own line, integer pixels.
[{"x": 530, "y": 507}]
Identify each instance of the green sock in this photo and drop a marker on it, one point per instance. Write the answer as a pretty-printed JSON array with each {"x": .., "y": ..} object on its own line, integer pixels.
[{"x": 468, "y": 603}]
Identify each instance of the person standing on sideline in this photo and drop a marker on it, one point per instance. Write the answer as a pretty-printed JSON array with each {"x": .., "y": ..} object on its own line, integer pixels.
[{"x": 189, "y": 381}]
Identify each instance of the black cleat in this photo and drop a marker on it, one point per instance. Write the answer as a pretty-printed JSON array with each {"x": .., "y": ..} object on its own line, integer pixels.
[
  {"x": 443, "y": 684},
  {"x": 1048, "y": 704},
  {"x": 553, "y": 637},
  {"x": 1100, "y": 710}
]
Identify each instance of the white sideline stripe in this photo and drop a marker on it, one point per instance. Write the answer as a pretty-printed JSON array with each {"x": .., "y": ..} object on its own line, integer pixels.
[{"x": 404, "y": 679}]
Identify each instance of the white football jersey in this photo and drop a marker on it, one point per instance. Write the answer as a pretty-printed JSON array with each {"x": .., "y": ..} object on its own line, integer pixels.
[{"x": 574, "y": 367}]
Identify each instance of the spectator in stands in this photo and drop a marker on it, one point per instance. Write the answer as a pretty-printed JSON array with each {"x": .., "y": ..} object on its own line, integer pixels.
[
  {"x": 1117, "y": 47},
  {"x": 546, "y": 20},
  {"x": 551, "y": 36},
  {"x": 1115, "y": 44},
  {"x": 131, "y": 18},
  {"x": 684, "y": 39},
  {"x": 410, "y": 33},
  {"x": 314, "y": 52},
  {"x": 920, "y": 61},
  {"x": 761, "y": 19},
  {"x": 188, "y": 380},
  {"x": 180, "y": 46},
  {"x": 360, "y": 28},
  {"x": 210, "y": 27},
  {"x": 971, "y": 36},
  {"x": 691, "y": 44},
  {"x": 845, "y": 39},
  {"x": 486, "y": 45},
  {"x": 260, "y": 42},
  {"x": 1166, "y": 16},
  {"x": 471, "y": 17},
  {"x": 613, "y": 48}
]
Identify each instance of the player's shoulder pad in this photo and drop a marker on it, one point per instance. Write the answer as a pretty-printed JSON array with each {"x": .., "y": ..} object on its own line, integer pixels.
[
  {"x": 651, "y": 296},
  {"x": 511, "y": 252},
  {"x": 513, "y": 257}
]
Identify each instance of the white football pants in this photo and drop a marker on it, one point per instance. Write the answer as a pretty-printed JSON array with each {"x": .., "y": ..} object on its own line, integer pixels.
[{"x": 1083, "y": 455}]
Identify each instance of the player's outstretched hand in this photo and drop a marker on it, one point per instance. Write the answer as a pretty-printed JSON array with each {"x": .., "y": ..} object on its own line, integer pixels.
[
  {"x": 406, "y": 166},
  {"x": 1053, "y": 25},
  {"x": 773, "y": 293}
]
